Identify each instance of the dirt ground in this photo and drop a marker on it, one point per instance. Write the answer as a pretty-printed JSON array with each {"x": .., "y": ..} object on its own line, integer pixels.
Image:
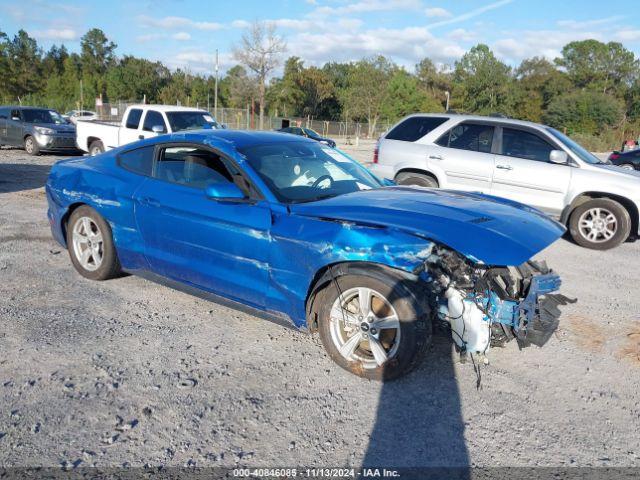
[{"x": 127, "y": 372}]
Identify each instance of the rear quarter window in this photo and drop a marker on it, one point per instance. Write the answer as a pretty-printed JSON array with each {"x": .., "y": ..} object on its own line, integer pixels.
[
  {"x": 133, "y": 119},
  {"x": 414, "y": 128},
  {"x": 138, "y": 161}
]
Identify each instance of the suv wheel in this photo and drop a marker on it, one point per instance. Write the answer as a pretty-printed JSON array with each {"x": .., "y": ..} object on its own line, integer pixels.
[
  {"x": 31, "y": 146},
  {"x": 600, "y": 224},
  {"x": 418, "y": 179}
]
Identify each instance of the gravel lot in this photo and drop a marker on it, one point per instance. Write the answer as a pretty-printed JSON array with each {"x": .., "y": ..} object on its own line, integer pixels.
[{"x": 127, "y": 372}]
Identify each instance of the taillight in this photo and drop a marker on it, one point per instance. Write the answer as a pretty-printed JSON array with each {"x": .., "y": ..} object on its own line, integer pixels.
[
  {"x": 375, "y": 153},
  {"x": 614, "y": 156}
]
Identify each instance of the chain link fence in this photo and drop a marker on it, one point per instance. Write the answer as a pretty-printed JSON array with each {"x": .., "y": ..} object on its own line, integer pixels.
[{"x": 246, "y": 119}]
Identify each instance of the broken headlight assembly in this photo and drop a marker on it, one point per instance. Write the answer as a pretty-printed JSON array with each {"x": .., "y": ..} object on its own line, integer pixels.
[{"x": 489, "y": 306}]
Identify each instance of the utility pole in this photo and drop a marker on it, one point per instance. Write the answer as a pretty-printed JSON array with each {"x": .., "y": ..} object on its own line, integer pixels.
[
  {"x": 447, "y": 95},
  {"x": 215, "y": 94},
  {"x": 81, "y": 97}
]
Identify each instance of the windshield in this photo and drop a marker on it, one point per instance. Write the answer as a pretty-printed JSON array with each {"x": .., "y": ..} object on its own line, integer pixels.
[
  {"x": 299, "y": 172},
  {"x": 42, "y": 116},
  {"x": 191, "y": 121},
  {"x": 581, "y": 152},
  {"x": 311, "y": 133}
]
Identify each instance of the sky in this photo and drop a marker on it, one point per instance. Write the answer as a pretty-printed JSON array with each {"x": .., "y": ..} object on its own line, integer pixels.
[{"x": 186, "y": 33}]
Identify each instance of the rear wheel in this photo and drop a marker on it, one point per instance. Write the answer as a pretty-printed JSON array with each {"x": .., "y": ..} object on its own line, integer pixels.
[
  {"x": 627, "y": 166},
  {"x": 600, "y": 224},
  {"x": 372, "y": 326},
  {"x": 31, "y": 146},
  {"x": 96, "y": 148},
  {"x": 90, "y": 245},
  {"x": 418, "y": 179}
]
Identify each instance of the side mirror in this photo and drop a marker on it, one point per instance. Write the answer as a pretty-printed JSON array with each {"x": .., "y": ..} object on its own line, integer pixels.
[
  {"x": 558, "y": 156},
  {"x": 157, "y": 129},
  {"x": 223, "y": 192},
  {"x": 224, "y": 125}
]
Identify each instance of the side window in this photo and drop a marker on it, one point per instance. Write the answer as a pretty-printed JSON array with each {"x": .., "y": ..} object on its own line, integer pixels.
[
  {"x": 4, "y": 112},
  {"x": 415, "y": 128},
  {"x": 133, "y": 119},
  {"x": 193, "y": 167},
  {"x": 15, "y": 113},
  {"x": 139, "y": 160},
  {"x": 521, "y": 144},
  {"x": 468, "y": 136},
  {"x": 152, "y": 119}
]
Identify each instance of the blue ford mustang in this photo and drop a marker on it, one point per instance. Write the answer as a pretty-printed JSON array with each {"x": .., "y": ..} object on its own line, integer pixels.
[{"x": 300, "y": 233}]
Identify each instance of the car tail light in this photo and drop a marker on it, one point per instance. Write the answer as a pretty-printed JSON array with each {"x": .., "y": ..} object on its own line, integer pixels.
[
  {"x": 375, "y": 152},
  {"x": 614, "y": 156}
]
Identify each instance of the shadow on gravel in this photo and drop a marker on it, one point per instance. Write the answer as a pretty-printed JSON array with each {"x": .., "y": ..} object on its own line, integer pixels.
[
  {"x": 15, "y": 177},
  {"x": 419, "y": 422}
]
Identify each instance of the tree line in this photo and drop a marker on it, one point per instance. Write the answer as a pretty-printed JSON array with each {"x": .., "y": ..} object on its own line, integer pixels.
[{"x": 592, "y": 91}]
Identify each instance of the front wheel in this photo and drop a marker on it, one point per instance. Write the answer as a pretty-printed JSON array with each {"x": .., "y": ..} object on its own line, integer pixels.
[
  {"x": 627, "y": 166},
  {"x": 96, "y": 148},
  {"x": 90, "y": 245},
  {"x": 373, "y": 326},
  {"x": 31, "y": 146},
  {"x": 600, "y": 224}
]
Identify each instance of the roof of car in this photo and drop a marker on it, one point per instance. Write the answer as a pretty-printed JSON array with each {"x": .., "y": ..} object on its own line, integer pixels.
[
  {"x": 479, "y": 118},
  {"x": 23, "y": 107},
  {"x": 239, "y": 138},
  {"x": 168, "y": 108}
]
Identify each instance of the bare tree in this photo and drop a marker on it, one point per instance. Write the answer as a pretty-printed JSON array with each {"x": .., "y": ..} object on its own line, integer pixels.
[{"x": 260, "y": 50}]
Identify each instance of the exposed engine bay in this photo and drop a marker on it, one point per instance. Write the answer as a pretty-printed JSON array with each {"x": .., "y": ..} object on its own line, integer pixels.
[{"x": 489, "y": 306}]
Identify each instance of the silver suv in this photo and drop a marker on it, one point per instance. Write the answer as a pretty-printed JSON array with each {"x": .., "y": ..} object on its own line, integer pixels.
[{"x": 522, "y": 161}]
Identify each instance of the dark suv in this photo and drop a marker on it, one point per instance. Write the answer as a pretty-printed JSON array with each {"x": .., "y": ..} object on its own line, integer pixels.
[{"x": 36, "y": 129}]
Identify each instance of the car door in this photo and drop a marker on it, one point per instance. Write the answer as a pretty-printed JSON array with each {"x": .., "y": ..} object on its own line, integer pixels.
[
  {"x": 130, "y": 131},
  {"x": 15, "y": 127},
  {"x": 464, "y": 154},
  {"x": 219, "y": 246},
  {"x": 4, "y": 113},
  {"x": 524, "y": 173}
]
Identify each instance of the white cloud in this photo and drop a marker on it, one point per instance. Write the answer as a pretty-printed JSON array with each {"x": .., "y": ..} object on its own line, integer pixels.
[
  {"x": 542, "y": 43},
  {"x": 627, "y": 35},
  {"x": 178, "y": 22},
  {"x": 56, "y": 34},
  {"x": 182, "y": 36},
  {"x": 580, "y": 25},
  {"x": 470, "y": 14},
  {"x": 240, "y": 24},
  {"x": 366, "y": 6},
  {"x": 438, "y": 12}
]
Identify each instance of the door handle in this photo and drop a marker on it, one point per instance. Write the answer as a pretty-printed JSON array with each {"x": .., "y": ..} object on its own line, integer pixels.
[
  {"x": 504, "y": 167},
  {"x": 149, "y": 202},
  {"x": 435, "y": 157},
  {"x": 140, "y": 137}
]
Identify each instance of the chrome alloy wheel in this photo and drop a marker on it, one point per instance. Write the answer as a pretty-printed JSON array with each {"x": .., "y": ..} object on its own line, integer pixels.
[
  {"x": 28, "y": 145},
  {"x": 626, "y": 166},
  {"x": 88, "y": 246},
  {"x": 364, "y": 327},
  {"x": 598, "y": 225}
]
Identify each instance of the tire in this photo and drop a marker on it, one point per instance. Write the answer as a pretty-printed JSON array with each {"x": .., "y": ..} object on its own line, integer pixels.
[
  {"x": 96, "y": 148},
  {"x": 418, "y": 179},
  {"x": 403, "y": 344},
  {"x": 102, "y": 263},
  {"x": 31, "y": 146},
  {"x": 627, "y": 166},
  {"x": 611, "y": 230}
]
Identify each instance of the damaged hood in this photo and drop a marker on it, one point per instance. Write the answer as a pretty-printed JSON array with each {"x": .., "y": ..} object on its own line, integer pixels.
[{"x": 488, "y": 229}]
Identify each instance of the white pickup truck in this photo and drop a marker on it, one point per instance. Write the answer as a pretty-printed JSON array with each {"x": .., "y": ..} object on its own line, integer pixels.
[{"x": 139, "y": 122}]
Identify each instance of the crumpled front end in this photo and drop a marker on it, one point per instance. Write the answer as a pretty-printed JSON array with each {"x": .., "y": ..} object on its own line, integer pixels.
[{"x": 489, "y": 306}]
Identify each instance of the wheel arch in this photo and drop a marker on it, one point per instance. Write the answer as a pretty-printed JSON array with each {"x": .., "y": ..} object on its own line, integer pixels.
[
  {"x": 419, "y": 171},
  {"x": 64, "y": 220},
  {"x": 584, "y": 197},
  {"x": 328, "y": 273},
  {"x": 90, "y": 140}
]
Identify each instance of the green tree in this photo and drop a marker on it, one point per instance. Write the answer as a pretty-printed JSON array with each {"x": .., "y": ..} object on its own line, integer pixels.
[
  {"x": 24, "y": 65},
  {"x": 97, "y": 55},
  {"x": 433, "y": 80},
  {"x": 367, "y": 91},
  {"x": 133, "y": 78},
  {"x": 285, "y": 93},
  {"x": 604, "y": 67},
  {"x": 238, "y": 88},
  {"x": 481, "y": 81},
  {"x": 584, "y": 112},
  {"x": 405, "y": 96}
]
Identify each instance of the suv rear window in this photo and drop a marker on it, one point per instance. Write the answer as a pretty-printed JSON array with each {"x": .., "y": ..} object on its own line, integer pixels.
[
  {"x": 468, "y": 136},
  {"x": 414, "y": 128},
  {"x": 133, "y": 119}
]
